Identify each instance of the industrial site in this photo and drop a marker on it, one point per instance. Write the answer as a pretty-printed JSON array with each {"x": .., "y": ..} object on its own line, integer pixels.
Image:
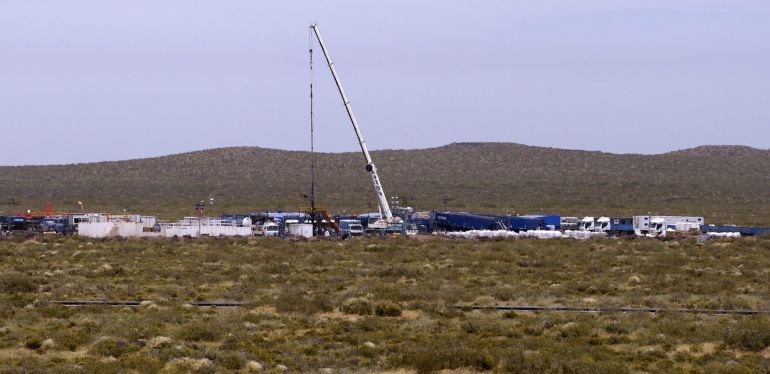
[
  {"x": 313, "y": 221},
  {"x": 406, "y": 222},
  {"x": 475, "y": 257}
]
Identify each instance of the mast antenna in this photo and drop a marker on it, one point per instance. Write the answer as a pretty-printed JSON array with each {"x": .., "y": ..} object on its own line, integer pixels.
[{"x": 312, "y": 135}]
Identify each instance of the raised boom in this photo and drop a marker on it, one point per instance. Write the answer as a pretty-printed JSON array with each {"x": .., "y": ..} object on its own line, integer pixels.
[{"x": 381, "y": 200}]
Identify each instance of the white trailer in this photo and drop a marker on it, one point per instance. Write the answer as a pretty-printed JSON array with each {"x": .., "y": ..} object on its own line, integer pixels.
[
  {"x": 97, "y": 225},
  {"x": 659, "y": 225},
  {"x": 195, "y": 227},
  {"x": 303, "y": 230},
  {"x": 110, "y": 229}
]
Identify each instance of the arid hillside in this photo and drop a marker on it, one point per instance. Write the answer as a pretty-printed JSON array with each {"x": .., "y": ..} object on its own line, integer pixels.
[{"x": 726, "y": 184}]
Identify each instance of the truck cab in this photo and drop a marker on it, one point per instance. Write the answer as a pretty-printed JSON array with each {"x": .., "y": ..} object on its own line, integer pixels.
[
  {"x": 569, "y": 223},
  {"x": 603, "y": 224},
  {"x": 56, "y": 225},
  {"x": 617, "y": 226},
  {"x": 351, "y": 227},
  {"x": 658, "y": 225},
  {"x": 587, "y": 224},
  {"x": 267, "y": 229}
]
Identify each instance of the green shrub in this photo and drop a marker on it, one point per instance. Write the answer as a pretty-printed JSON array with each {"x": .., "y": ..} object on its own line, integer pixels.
[
  {"x": 190, "y": 365},
  {"x": 141, "y": 363},
  {"x": 752, "y": 333},
  {"x": 387, "y": 309},
  {"x": 298, "y": 303},
  {"x": 54, "y": 311},
  {"x": 573, "y": 330},
  {"x": 13, "y": 282},
  {"x": 400, "y": 270},
  {"x": 372, "y": 324},
  {"x": 616, "y": 328},
  {"x": 357, "y": 305},
  {"x": 33, "y": 342},
  {"x": 69, "y": 338},
  {"x": 232, "y": 360},
  {"x": 510, "y": 314},
  {"x": 445, "y": 355},
  {"x": 527, "y": 362},
  {"x": 111, "y": 346},
  {"x": 20, "y": 301},
  {"x": 199, "y": 331}
]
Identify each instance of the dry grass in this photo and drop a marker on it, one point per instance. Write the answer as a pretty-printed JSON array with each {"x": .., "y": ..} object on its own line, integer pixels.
[{"x": 381, "y": 305}]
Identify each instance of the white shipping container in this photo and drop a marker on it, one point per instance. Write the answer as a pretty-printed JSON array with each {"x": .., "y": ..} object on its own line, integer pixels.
[
  {"x": 170, "y": 231},
  {"x": 194, "y": 227},
  {"x": 304, "y": 230},
  {"x": 148, "y": 221},
  {"x": 110, "y": 229}
]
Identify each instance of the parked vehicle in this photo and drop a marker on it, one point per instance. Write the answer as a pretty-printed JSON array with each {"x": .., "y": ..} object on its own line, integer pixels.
[
  {"x": 587, "y": 224},
  {"x": 742, "y": 230},
  {"x": 350, "y": 227},
  {"x": 615, "y": 226},
  {"x": 462, "y": 221},
  {"x": 423, "y": 222},
  {"x": 569, "y": 223},
  {"x": 55, "y": 225},
  {"x": 20, "y": 223},
  {"x": 660, "y": 225},
  {"x": 267, "y": 228}
]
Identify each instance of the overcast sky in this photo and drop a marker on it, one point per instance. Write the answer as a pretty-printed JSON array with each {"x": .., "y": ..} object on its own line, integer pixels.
[{"x": 84, "y": 81}]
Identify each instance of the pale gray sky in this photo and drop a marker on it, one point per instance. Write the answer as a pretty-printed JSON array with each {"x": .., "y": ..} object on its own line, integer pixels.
[{"x": 84, "y": 81}]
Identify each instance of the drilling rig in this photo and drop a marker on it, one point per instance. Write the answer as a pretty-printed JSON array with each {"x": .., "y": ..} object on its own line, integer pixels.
[{"x": 387, "y": 221}]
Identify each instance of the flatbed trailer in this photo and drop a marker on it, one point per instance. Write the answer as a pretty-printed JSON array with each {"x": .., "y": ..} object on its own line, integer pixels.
[{"x": 743, "y": 230}]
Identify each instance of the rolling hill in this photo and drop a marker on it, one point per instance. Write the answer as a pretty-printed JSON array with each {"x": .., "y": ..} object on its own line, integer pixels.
[{"x": 726, "y": 184}]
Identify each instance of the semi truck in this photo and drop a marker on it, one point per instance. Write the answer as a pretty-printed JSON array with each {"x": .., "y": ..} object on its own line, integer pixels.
[
  {"x": 615, "y": 226},
  {"x": 659, "y": 225},
  {"x": 461, "y": 221},
  {"x": 569, "y": 223},
  {"x": 587, "y": 224},
  {"x": 530, "y": 222},
  {"x": 612, "y": 226},
  {"x": 350, "y": 227},
  {"x": 424, "y": 222}
]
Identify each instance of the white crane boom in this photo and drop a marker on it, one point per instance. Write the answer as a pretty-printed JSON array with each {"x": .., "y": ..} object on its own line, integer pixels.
[{"x": 383, "y": 202}]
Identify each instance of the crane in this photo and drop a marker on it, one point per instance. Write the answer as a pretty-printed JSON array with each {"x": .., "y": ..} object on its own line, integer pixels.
[{"x": 385, "y": 213}]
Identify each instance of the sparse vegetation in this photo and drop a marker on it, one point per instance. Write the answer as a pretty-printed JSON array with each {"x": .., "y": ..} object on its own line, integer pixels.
[
  {"x": 749, "y": 333},
  {"x": 723, "y": 184},
  {"x": 13, "y": 282},
  {"x": 377, "y": 304},
  {"x": 358, "y": 305},
  {"x": 387, "y": 309}
]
